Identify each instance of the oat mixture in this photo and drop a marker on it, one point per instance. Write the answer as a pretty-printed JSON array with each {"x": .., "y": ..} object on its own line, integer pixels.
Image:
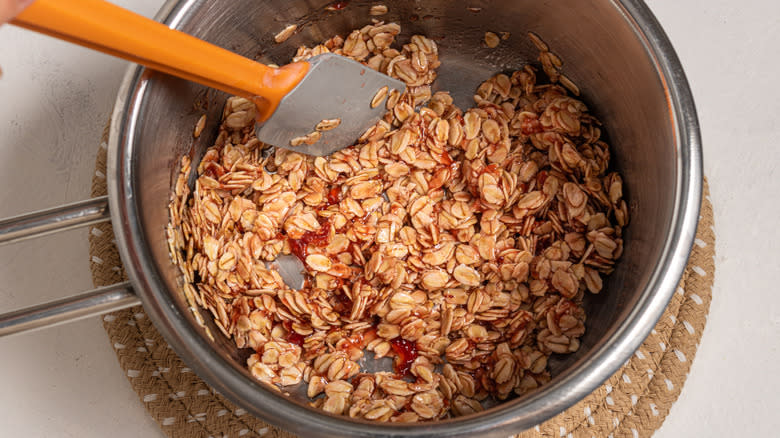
[{"x": 459, "y": 243}]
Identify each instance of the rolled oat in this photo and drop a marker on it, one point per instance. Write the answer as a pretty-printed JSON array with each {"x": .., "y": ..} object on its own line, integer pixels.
[{"x": 459, "y": 243}]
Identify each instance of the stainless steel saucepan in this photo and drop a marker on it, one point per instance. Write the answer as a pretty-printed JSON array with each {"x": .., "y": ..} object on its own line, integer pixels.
[{"x": 614, "y": 50}]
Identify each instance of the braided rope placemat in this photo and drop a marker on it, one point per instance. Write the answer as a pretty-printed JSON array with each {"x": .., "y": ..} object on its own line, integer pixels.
[{"x": 632, "y": 403}]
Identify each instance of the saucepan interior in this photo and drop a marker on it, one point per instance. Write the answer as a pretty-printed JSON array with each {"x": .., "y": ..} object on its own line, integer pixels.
[{"x": 613, "y": 50}]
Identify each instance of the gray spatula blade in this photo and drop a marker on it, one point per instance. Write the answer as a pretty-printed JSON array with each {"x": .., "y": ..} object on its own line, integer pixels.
[{"x": 335, "y": 87}]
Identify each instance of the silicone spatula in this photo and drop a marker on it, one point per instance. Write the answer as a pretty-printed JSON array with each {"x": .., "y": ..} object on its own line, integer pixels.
[{"x": 291, "y": 100}]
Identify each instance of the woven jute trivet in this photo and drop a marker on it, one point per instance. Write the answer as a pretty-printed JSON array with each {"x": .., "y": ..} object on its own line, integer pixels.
[{"x": 633, "y": 403}]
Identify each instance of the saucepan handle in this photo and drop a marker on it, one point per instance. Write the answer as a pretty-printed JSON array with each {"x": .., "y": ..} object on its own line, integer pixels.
[{"x": 89, "y": 303}]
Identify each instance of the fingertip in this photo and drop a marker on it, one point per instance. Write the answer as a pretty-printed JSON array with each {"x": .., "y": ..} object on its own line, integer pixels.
[{"x": 11, "y": 8}]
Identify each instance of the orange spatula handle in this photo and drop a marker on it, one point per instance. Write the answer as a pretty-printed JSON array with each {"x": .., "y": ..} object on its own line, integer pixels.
[{"x": 110, "y": 29}]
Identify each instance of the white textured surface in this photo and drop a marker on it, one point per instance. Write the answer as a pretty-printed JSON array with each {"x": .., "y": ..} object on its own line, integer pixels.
[
  {"x": 65, "y": 382},
  {"x": 56, "y": 99}
]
